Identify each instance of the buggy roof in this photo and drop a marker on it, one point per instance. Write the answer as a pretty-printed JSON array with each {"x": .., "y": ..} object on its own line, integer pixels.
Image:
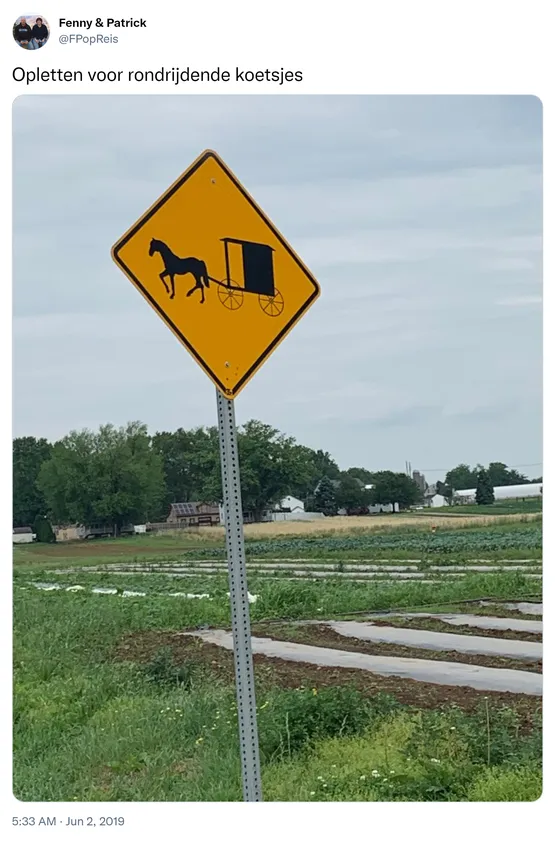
[{"x": 245, "y": 243}]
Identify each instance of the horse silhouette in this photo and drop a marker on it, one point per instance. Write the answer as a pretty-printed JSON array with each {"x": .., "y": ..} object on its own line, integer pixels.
[{"x": 174, "y": 265}]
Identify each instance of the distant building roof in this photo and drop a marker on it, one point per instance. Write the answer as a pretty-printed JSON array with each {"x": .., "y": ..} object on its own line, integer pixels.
[{"x": 191, "y": 509}]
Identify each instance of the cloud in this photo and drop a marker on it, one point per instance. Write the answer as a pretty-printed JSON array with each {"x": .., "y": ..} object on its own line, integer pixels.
[{"x": 420, "y": 216}]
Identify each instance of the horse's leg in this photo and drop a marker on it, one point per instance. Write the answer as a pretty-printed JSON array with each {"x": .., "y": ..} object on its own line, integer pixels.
[
  {"x": 172, "y": 281},
  {"x": 162, "y": 276},
  {"x": 197, "y": 285}
]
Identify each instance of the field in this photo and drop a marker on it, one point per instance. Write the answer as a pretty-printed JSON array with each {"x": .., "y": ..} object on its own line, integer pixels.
[{"x": 124, "y": 690}]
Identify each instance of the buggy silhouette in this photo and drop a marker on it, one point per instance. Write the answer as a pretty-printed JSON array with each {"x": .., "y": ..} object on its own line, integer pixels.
[{"x": 258, "y": 275}]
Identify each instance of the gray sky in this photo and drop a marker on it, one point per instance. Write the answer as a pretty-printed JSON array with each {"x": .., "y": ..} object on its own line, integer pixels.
[{"x": 419, "y": 216}]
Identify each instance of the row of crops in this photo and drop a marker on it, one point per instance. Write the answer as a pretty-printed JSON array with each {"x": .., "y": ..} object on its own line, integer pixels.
[{"x": 447, "y": 542}]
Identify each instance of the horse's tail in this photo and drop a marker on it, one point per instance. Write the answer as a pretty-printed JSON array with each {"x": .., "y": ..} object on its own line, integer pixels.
[{"x": 206, "y": 279}]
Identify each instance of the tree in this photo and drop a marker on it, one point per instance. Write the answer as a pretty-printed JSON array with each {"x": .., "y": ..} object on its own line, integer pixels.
[
  {"x": 325, "y": 465},
  {"x": 112, "y": 477},
  {"x": 445, "y": 490},
  {"x": 500, "y": 475},
  {"x": 191, "y": 464},
  {"x": 365, "y": 476},
  {"x": 324, "y": 498},
  {"x": 29, "y": 454},
  {"x": 271, "y": 466},
  {"x": 351, "y": 494},
  {"x": 484, "y": 489},
  {"x": 43, "y": 530},
  {"x": 461, "y": 477},
  {"x": 390, "y": 487}
]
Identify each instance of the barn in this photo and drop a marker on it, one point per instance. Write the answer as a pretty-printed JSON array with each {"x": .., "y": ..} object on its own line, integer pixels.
[{"x": 194, "y": 514}]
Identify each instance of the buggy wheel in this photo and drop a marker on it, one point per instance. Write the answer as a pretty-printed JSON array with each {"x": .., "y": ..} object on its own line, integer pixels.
[
  {"x": 272, "y": 305},
  {"x": 231, "y": 295}
]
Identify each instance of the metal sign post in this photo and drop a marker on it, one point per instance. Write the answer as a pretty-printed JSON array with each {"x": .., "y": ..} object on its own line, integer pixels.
[
  {"x": 240, "y": 618},
  {"x": 250, "y": 290}
]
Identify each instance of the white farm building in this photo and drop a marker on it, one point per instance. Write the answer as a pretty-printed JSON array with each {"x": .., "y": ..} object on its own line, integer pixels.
[{"x": 503, "y": 492}]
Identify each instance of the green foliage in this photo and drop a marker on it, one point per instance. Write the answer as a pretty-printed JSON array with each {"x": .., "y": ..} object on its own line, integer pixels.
[
  {"x": 272, "y": 465},
  {"x": 463, "y": 476},
  {"x": 523, "y": 783},
  {"x": 28, "y": 500},
  {"x": 390, "y": 487},
  {"x": 112, "y": 476},
  {"x": 43, "y": 530},
  {"x": 163, "y": 671},
  {"x": 445, "y": 490},
  {"x": 365, "y": 476},
  {"x": 92, "y": 728},
  {"x": 324, "y": 498},
  {"x": 499, "y": 475},
  {"x": 485, "y": 495},
  {"x": 400, "y": 543},
  {"x": 410, "y": 756},
  {"x": 351, "y": 494},
  {"x": 291, "y": 720},
  {"x": 191, "y": 465}
]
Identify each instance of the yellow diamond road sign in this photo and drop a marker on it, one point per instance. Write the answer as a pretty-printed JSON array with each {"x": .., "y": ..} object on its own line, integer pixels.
[{"x": 214, "y": 267}]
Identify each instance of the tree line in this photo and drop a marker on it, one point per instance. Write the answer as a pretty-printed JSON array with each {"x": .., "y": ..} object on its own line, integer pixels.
[
  {"x": 124, "y": 475},
  {"x": 496, "y": 475}
]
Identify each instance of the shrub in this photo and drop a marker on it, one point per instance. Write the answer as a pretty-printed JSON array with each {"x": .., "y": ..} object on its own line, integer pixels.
[{"x": 43, "y": 530}]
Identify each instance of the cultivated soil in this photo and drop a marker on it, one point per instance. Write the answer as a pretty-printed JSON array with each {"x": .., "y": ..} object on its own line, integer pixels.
[
  {"x": 141, "y": 647},
  {"x": 431, "y": 624},
  {"x": 324, "y": 636}
]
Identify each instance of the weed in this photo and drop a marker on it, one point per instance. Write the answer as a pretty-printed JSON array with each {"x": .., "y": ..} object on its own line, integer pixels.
[
  {"x": 164, "y": 672},
  {"x": 293, "y": 719}
]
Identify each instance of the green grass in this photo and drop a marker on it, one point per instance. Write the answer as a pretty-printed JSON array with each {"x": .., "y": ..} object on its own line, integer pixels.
[
  {"x": 89, "y": 728},
  {"x": 443, "y": 756},
  {"x": 277, "y": 598},
  {"x": 520, "y": 784}
]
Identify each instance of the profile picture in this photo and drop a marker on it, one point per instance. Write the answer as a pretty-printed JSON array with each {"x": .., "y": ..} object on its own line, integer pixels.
[{"x": 31, "y": 32}]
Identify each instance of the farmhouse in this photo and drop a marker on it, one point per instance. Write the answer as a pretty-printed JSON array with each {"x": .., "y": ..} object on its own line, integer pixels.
[
  {"x": 194, "y": 514},
  {"x": 437, "y": 501},
  {"x": 290, "y": 504}
]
